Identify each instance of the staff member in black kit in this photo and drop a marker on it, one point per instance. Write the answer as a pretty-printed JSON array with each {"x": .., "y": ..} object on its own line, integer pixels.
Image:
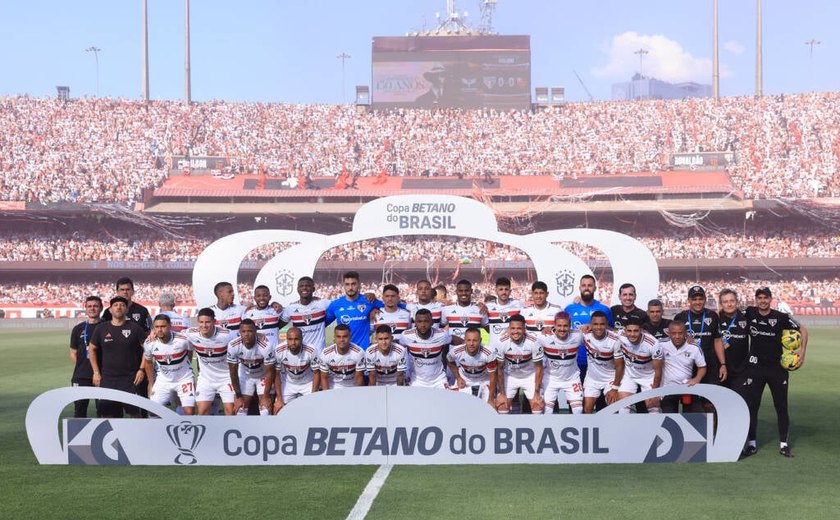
[
  {"x": 79, "y": 350},
  {"x": 119, "y": 345},
  {"x": 765, "y": 327}
]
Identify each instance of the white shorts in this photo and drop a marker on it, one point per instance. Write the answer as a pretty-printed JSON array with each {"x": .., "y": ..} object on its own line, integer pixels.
[
  {"x": 573, "y": 390},
  {"x": 440, "y": 383},
  {"x": 594, "y": 388},
  {"x": 631, "y": 384},
  {"x": 480, "y": 390},
  {"x": 249, "y": 385},
  {"x": 292, "y": 391},
  {"x": 513, "y": 384},
  {"x": 185, "y": 390},
  {"x": 207, "y": 390}
]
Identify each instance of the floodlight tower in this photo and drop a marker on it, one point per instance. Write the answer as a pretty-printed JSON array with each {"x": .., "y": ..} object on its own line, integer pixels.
[
  {"x": 453, "y": 22},
  {"x": 487, "y": 9}
]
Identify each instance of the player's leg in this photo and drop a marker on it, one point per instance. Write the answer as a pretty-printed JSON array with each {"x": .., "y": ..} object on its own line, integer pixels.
[
  {"x": 205, "y": 394},
  {"x": 227, "y": 395},
  {"x": 754, "y": 392},
  {"x": 778, "y": 383},
  {"x": 592, "y": 390},
  {"x": 627, "y": 388},
  {"x": 259, "y": 390},
  {"x": 670, "y": 404},
  {"x": 552, "y": 391},
  {"x": 535, "y": 401},
  {"x": 186, "y": 394},
  {"x": 653, "y": 405},
  {"x": 574, "y": 395}
]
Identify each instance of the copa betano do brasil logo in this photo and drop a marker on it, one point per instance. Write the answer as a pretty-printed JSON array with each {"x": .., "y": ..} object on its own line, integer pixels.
[{"x": 396, "y": 425}]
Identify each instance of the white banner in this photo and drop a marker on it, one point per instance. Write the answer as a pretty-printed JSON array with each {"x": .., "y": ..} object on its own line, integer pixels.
[
  {"x": 387, "y": 425},
  {"x": 446, "y": 215}
]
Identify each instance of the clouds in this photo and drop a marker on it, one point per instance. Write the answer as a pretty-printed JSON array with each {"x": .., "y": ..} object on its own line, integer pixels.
[
  {"x": 666, "y": 59},
  {"x": 734, "y": 47}
]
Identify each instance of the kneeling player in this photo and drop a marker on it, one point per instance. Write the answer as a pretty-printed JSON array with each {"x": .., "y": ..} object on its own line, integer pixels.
[
  {"x": 562, "y": 371},
  {"x": 342, "y": 364},
  {"x": 605, "y": 363},
  {"x": 679, "y": 360},
  {"x": 173, "y": 355},
  {"x": 296, "y": 368},
  {"x": 251, "y": 363},
  {"x": 521, "y": 358},
  {"x": 474, "y": 367},
  {"x": 385, "y": 361},
  {"x": 210, "y": 343},
  {"x": 642, "y": 363}
]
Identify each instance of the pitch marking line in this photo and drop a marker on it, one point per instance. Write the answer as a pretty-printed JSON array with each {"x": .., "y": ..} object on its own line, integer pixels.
[{"x": 360, "y": 510}]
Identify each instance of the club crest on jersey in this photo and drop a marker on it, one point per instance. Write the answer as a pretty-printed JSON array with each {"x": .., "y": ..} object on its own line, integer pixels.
[
  {"x": 284, "y": 282},
  {"x": 465, "y": 320},
  {"x": 504, "y": 316},
  {"x": 136, "y": 316},
  {"x": 707, "y": 321},
  {"x": 361, "y": 307},
  {"x": 126, "y": 333},
  {"x": 565, "y": 282},
  {"x": 742, "y": 324},
  {"x": 772, "y": 322},
  {"x": 540, "y": 324},
  {"x": 307, "y": 318}
]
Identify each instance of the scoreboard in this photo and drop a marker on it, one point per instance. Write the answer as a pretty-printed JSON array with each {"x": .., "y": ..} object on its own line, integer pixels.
[{"x": 478, "y": 71}]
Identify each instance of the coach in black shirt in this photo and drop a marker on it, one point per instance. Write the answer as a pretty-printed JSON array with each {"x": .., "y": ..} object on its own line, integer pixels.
[
  {"x": 622, "y": 313},
  {"x": 79, "y": 353},
  {"x": 657, "y": 326},
  {"x": 119, "y": 342},
  {"x": 735, "y": 339},
  {"x": 765, "y": 327},
  {"x": 136, "y": 312}
]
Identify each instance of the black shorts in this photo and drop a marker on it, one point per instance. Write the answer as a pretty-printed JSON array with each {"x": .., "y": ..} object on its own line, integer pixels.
[{"x": 116, "y": 408}]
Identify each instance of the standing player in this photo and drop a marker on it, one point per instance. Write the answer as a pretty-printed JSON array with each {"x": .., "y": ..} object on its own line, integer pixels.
[
  {"x": 736, "y": 343},
  {"x": 80, "y": 351},
  {"x": 250, "y": 360},
  {"x": 391, "y": 314},
  {"x": 426, "y": 300},
  {"x": 342, "y": 364},
  {"x": 228, "y": 314},
  {"x": 297, "y": 370},
  {"x": 308, "y": 314},
  {"x": 463, "y": 313},
  {"x": 581, "y": 314},
  {"x": 264, "y": 316},
  {"x": 119, "y": 344},
  {"x": 627, "y": 308},
  {"x": 704, "y": 326},
  {"x": 474, "y": 367},
  {"x": 425, "y": 351},
  {"x": 766, "y": 326},
  {"x": 642, "y": 363},
  {"x": 540, "y": 315},
  {"x": 210, "y": 342},
  {"x": 679, "y": 360},
  {"x": 354, "y": 311},
  {"x": 606, "y": 363},
  {"x": 521, "y": 360},
  {"x": 167, "y": 306},
  {"x": 500, "y": 311},
  {"x": 385, "y": 361},
  {"x": 656, "y": 326},
  {"x": 561, "y": 370},
  {"x": 136, "y": 312},
  {"x": 172, "y": 353}
]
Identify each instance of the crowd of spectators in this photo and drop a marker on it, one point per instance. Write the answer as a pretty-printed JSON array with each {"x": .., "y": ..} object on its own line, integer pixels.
[
  {"x": 669, "y": 243},
  {"x": 673, "y": 292},
  {"x": 98, "y": 150}
]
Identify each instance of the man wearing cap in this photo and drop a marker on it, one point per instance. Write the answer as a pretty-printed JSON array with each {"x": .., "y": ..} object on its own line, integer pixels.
[
  {"x": 765, "y": 326},
  {"x": 119, "y": 344},
  {"x": 703, "y": 325}
]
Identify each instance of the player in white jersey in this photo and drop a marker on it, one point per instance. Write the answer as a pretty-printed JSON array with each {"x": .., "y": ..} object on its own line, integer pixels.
[
  {"x": 266, "y": 317},
  {"x": 296, "y": 368},
  {"x": 605, "y": 362},
  {"x": 680, "y": 358},
  {"x": 308, "y": 314},
  {"x": 397, "y": 319},
  {"x": 251, "y": 362},
  {"x": 384, "y": 360},
  {"x": 562, "y": 373},
  {"x": 474, "y": 366},
  {"x": 463, "y": 313},
  {"x": 228, "y": 314},
  {"x": 521, "y": 359},
  {"x": 540, "y": 314},
  {"x": 642, "y": 363},
  {"x": 167, "y": 306},
  {"x": 342, "y": 364},
  {"x": 425, "y": 351},
  {"x": 173, "y": 354},
  {"x": 426, "y": 300},
  {"x": 500, "y": 311},
  {"x": 210, "y": 342}
]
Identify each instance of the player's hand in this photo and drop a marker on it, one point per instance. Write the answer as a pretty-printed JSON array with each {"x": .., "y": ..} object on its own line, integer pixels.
[
  {"x": 374, "y": 315},
  {"x": 482, "y": 308},
  {"x": 97, "y": 379},
  {"x": 548, "y": 331},
  {"x": 722, "y": 373},
  {"x": 138, "y": 377},
  {"x": 238, "y": 404},
  {"x": 461, "y": 383},
  {"x": 265, "y": 402},
  {"x": 611, "y": 396},
  {"x": 277, "y": 307},
  {"x": 584, "y": 329},
  {"x": 693, "y": 381},
  {"x": 278, "y": 405},
  {"x": 370, "y": 297}
]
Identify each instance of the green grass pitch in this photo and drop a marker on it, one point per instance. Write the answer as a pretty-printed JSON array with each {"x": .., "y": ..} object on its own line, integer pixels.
[{"x": 764, "y": 486}]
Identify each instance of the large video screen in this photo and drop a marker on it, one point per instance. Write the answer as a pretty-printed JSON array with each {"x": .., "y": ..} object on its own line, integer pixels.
[{"x": 451, "y": 72}]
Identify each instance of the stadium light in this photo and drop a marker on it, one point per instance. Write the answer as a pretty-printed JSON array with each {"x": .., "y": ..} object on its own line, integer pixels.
[
  {"x": 95, "y": 50},
  {"x": 343, "y": 57}
]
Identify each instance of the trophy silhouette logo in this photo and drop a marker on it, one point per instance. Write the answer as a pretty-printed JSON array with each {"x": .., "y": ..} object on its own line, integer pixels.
[{"x": 186, "y": 437}]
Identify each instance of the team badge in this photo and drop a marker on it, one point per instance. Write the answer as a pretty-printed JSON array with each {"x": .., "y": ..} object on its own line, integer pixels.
[
  {"x": 126, "y": 333},
  {"x": 284, "y": 282},
  {"x": 425, "y": 352},
  {"x": 361, "y": 307},
  {"x": 707, "y": 321},
  {"x": 465, "y": 320},
  {"x": 504, "y": 316},
  {"x": 136, "y": 316},
  {"x": 772, "y": 322},
  {"x": 307, "y": 318},
  {"x": 564, "y": 282},
  {"x": 742, "y": 324},
  {"x": 540, "y": 324}
]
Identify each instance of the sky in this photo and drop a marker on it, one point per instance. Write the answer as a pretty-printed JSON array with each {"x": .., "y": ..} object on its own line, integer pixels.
[{"x": 284, "y": 51}]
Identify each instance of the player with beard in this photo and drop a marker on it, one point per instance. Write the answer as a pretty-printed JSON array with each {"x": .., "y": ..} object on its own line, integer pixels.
[
  {"x": 385, "y": 361},
  {"x": 561, "y": 370},
  {"x": 765, "y": 328},
  {"x": 642, "y": 363},
  {"x": 353, "y": 310},
  {"x": 581, "y": 314},
  {"x": 308, "y": 314},
  {"x": 171, "y": 353},
  {"x": 426, "y": 300},
  {"x": 656, "y": 326},
  {"x": 520, "y": 359},
  {"x": 474, "y": 367},
  {"x": 703, "y": 326},
  {"x": 500, "y": 310},
  {"x": 464, "y": 313},
  {"x": 621, "y": 313},
  {"x": 251, "y": 363},
  {"x": 136, "y": 312},
  {"x": 342, "y": 364},
  {"x": 264, "y": 315},
  {"x": 210, "y": 344},
  {"x": 736, "y": 342},
  {"x": 228, "y": 314},
  {"x": 426, "y": 349}
]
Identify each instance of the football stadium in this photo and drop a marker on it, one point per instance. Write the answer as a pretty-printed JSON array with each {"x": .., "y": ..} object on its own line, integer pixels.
[{"x": 453, "y": 212}]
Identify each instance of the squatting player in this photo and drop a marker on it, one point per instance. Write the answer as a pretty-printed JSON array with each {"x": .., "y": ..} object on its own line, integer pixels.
[
  {"x": 562, "y": 373},
  {"x": 384, "y": 360},
  {"x": 474, "y": 366},
  {"x": 296, "y": 368},
  {"x": 679, "y": 361},
  {"x": 642, "y": 363},
  {"x": 521, "y": 360},
  {"x": 173, "y": 354},
  {"x": 425, "y": 351},
  {"x": 342, "y": 364},
  {"x": 250, "y": 360}
]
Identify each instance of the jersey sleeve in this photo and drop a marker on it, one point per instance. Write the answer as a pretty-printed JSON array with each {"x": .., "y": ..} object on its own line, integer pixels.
[
  {"x": 716, "y": 326},
  {"x": 617, "y": 352},
  {"x": 233, "y": 354},
  {"x": 268, "y": 357},
  {"x": 330, "y": 313},
  {"x": 537, "y": 352},
  {"x": 147, "y": 350},
  {"x": 787, "y": 322},
  {"x": 361, "y": 365},
  {"x": 401, "y": 362},
  {"x": 699, "y": 358}
]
